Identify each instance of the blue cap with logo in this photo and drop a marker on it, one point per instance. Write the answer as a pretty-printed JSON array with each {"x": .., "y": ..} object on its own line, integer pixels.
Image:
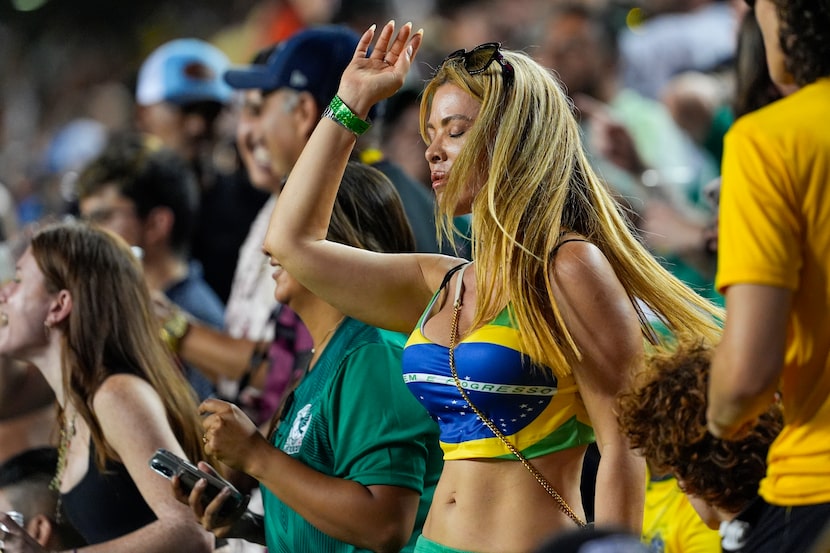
[
  {"x": 183, "y": 71},
  {"x": 311, "y": 60}
]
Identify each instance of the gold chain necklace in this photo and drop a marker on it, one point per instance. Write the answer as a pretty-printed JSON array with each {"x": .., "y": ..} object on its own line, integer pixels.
[
  {"x": 540, "y": 478},
  {"x": 67, "y": 433},
  {"x": 328, "y": 335}
]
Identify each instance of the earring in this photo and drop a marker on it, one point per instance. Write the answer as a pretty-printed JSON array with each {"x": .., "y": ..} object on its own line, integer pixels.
[{"x": 46, "y": 329}]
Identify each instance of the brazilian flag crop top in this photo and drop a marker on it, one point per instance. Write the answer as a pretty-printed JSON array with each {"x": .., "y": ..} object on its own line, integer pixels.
[{"x": 536, "y": 411}]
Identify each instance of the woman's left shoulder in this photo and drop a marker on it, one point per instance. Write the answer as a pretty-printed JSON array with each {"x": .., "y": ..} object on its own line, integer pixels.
[{"x": 578, "y": 261}]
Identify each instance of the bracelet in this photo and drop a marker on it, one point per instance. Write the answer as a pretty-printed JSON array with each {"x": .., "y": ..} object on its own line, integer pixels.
[
  {"x": 174, "y": 329},
  {"x": 341, "y": 114}
]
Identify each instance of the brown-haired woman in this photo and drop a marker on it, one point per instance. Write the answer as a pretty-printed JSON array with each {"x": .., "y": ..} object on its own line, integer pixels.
[{"x": 79, "y": 310}]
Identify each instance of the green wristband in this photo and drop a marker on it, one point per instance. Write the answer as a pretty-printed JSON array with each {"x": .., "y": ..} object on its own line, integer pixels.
[{"x": 341, "y": 114}]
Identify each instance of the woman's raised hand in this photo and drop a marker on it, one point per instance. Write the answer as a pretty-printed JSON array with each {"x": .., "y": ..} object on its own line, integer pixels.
[{"x": 369, "y": 79}]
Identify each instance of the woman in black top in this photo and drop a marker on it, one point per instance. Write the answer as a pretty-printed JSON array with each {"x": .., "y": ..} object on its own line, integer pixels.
[{"x": 79, "y": 310}]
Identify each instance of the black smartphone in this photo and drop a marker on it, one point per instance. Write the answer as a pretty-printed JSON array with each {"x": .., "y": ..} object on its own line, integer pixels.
[{"x": 168, "y": 465}]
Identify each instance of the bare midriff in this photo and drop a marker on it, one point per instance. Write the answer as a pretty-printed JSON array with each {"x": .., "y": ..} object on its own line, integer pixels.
[{"x": 497, "y": 506}]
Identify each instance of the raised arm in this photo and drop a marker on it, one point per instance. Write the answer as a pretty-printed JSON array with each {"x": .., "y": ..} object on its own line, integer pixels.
[
  {"x": 384, "y": 290},
  {"x": 602, "y": 321}
]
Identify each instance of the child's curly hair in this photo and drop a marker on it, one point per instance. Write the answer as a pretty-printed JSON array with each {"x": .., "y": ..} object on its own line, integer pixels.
[
  {"x": 804, "y": 38},
  {"x": 664, "y": 416}
]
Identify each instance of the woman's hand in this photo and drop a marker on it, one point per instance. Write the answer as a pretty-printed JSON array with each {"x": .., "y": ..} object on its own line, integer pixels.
[
  {"x": 369, "y": 79},
  {"x": 207, "y": 512},
  {"x": 14, "y": 539},
  {"x": 230, "y": 436}
]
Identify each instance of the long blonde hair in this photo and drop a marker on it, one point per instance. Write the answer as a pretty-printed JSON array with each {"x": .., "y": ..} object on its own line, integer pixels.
[{"x": 537, "y": 183}]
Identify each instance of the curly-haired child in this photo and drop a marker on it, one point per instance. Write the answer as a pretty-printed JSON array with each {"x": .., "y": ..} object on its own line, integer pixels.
[{"x": 664, "y": 417}]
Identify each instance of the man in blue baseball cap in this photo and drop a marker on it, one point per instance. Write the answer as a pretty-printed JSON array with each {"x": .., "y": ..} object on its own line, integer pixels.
[
  {"x": 310, "y": 61},
  {"x": 297, "y": 82}
]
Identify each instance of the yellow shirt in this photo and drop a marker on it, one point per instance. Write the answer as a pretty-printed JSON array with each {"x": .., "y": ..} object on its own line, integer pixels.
[
  {"x": 775, "y": 231},
  {"x": 670, "y": 523}
]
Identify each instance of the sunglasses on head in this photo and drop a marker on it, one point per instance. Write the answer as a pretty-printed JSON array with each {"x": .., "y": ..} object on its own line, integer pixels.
[{"x": 479, "y": 59}]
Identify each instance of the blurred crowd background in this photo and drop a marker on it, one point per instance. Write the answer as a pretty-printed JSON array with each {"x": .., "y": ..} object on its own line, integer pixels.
[{"x": 69, "y": 71}]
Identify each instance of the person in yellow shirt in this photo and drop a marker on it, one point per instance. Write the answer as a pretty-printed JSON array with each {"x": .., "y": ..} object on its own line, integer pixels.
[{"x": 774, "y": 269}]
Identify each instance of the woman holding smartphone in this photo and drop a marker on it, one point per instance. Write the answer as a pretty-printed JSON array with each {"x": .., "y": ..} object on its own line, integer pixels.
[
  {"x": 353, "y": 459},
  {"x": 80, "y": 311}
]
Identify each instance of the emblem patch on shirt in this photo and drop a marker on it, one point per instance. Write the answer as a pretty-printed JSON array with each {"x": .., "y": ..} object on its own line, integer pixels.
[{"x": 298, "y": 429}]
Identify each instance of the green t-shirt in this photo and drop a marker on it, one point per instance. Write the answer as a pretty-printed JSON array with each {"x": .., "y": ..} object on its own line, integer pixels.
[{"x": 352, "y": 417}]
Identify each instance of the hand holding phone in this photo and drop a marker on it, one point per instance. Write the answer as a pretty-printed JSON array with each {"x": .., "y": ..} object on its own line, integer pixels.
[{"x": 169, "y": 465}]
